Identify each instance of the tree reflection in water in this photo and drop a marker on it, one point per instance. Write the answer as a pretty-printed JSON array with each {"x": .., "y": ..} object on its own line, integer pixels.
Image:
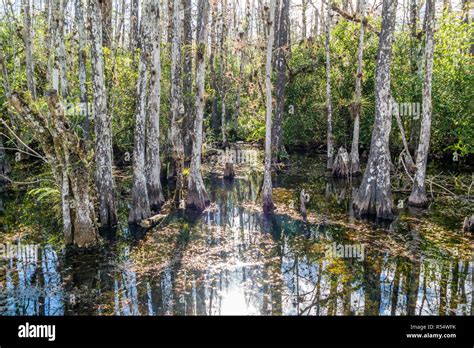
[{"x": 234, "y": 260}]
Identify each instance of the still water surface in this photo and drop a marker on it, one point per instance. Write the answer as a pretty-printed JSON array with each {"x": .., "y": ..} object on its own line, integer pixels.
[{"x": 233, "y": 260}]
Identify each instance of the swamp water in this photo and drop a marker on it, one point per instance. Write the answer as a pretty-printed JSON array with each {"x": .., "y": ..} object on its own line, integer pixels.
[{"x": 234, "y": 260}]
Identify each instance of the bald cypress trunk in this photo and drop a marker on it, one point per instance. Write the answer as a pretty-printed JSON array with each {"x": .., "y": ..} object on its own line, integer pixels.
[
  {"x": 356, "y": 109},
  {"x": 187, "y": 126},
  {"x": 133, "y": 25},
  {"x": 223, "y": 68},
  {"x": 243, "y": 38},
  {"x": 153, "y": 164},
  {"x": 330, "y": 141},
  {"x": 267, "y": 199},
  {"x": 177, "y": 152},
  {"x": 140, "y": 204},
  {"x": 60, "y": 46},
  {"x": 103, "y": 128},
  {"x": 281, "y": 56},
  {"x": 212, "y": 68},
  {"x": 374, "y": 196},
  {"x": 197, "y": 195},
  {"x": 418, "y": 194},
  {"x": 106, "y": 9},
  {"x": 81, "y": 61},
  {"x": 30, "y": 67}
]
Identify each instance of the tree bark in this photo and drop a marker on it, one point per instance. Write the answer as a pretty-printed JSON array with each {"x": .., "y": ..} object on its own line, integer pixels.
[
  {"x": 197, "y": 196},
  {"x": 106, "y": 9},
  {"x": 60, "y": 60},
  {"x": 30, "y": 67},
  {"x": 103, "y": 127},
  {"x": 187, "y": 78},
  {"x": 223, "y": 69},
  {"x": 140, "y": 209},
  {"x": 153, "y": 164},
  {"x": 418, "y": 194},
  {"x": 133, "y": 25},
  {"x": 176, "y": 101},
  {"x": 81, "y": 61},
  {"x": 355, "y": 163},
  {"x": 267, "y": 199},
  {"x": 374, "y": 196},
  {"x": 243, "y": 38},
  {"x": 330, "y": 141},
  {"x": 282, "y": 52},
  {"x": 212, "y": 68}
]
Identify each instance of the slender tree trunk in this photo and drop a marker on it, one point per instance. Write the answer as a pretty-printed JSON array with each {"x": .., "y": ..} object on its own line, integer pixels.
[
  {"x": 106, "y": 9},
  {"x": 30, "y": 67},
  {"x": 223, "y": 69},
  {"x": 418, "y": 194},
  {"x": 330, "y": 141},
  {"x": 355, "y": 164},
  {"x": 153, "y": 164},
  {"x": 282, "y": 52},
  {"x": 176, "y": 101},
  {"x": 133, "y": 25},
  {"x": 267, "y": 199},
  {"x": 197, "y": 195},
  {"x": 304, "y": 8},
  {"x": 374, "y": 196},
  {"x": 60, "y": 46},
  {"x": 82, "y": 54},
  {"x": 243, "y": 38},
  {"x": 406, "y": 154},
  {"x": 212, "y": 68},
  {"x": 103, "y": 127},
  {"x": 140, "y": 204},
  {"x": 187, "y": 77}
]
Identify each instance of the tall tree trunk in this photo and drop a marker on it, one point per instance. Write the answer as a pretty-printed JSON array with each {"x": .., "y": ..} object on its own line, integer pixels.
[
  {"x": 153, "y": 164},
  {"x": 374, "y": 196},
  {"x": 60, "y": 60},
  {"x": 418, "y": 194},
  {"x": 176, "y": 100},
  {"x": 30, "y": 67},
  {"x": 82, "y": 54},
  {"x": 406, "y": 154},
  {"x": 243, "y": 38},
  {"x": 133, "y": 25},
  {"x": 187, "y": 77},
  {"x": 282, "y": 52},
  {"x": 330, "y": 141},
  {"x": 267, "y": 199},
  {"x": 103, "y": 126},
  {"x": 106, "y": 9},
  {"x": 223, "y": 69},
  {"x": 197, "y": 195},
  {"x": 355, "y": 164},
  {"x": 212, "y": 67},
  {"x": 140, "y": 205},
  {"x": 304, "y": 8}
]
